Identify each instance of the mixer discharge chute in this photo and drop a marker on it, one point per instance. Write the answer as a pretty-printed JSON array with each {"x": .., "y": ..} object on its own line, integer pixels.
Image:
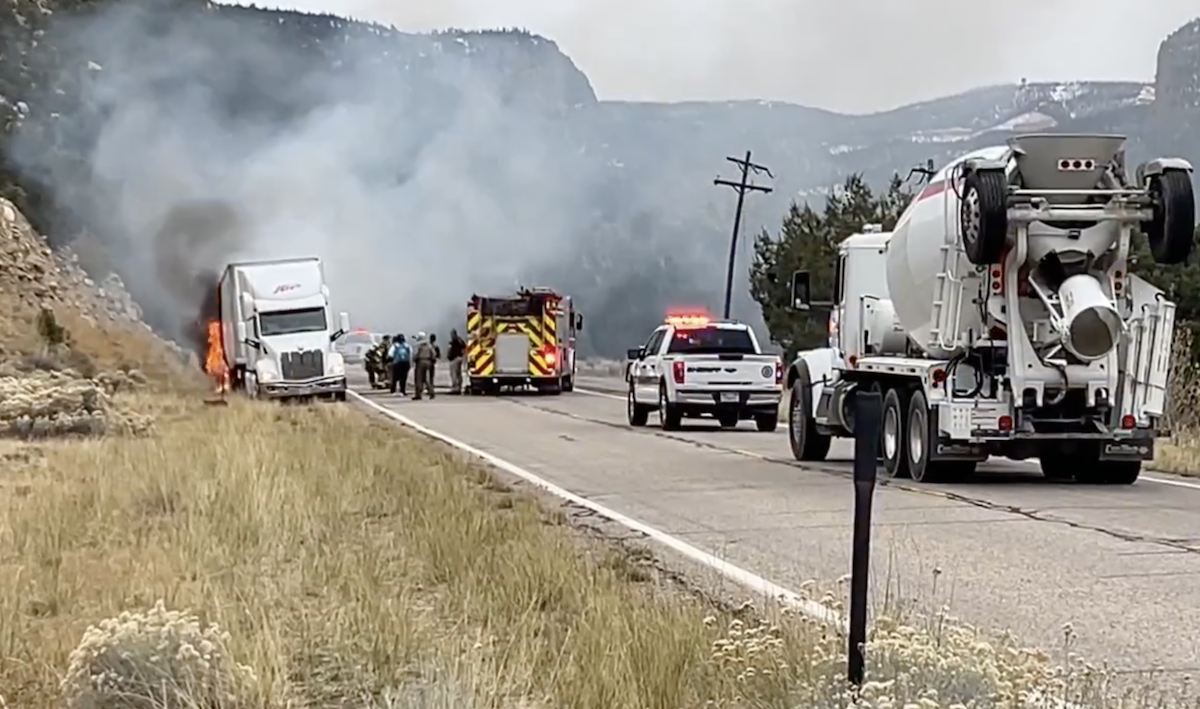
[{"x": 998, "y": 317}]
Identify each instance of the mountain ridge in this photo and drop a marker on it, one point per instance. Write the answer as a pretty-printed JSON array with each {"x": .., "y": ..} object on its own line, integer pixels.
[{"x": 610, "y": 200}]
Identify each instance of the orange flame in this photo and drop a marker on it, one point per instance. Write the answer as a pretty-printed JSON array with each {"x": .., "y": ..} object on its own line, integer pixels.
[{"x": 214, "y": 360}]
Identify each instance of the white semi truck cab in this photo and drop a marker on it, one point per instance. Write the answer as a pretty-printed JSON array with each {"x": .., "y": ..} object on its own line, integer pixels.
[
  {"x": 999, "y": 317},
  {"x": 278, "y": 330}
]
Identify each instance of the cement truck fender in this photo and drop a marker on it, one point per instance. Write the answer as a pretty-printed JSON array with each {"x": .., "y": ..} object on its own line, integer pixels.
[
  {"x": 1171, "y": 233},
  {"x": 807, "y": 442},
  {"x": 817, "y": 365}
]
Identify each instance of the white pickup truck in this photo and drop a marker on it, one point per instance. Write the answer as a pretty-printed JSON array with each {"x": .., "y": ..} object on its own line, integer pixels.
[{"x": 692, "y": 367}]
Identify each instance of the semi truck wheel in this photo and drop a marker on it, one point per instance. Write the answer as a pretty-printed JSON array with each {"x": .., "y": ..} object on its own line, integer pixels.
[
  {"x": 895, "y": 458},
  {"x": 637, "y": 414},
  {"x": 983, "y": 215},
  {"x": 1058, "y": 467},
  {"x": 728, "y": 420},
  {"x": 808, "y": 444},
  {"x": 1171, "y": 233},
  {"x": 918, "y": 444}
]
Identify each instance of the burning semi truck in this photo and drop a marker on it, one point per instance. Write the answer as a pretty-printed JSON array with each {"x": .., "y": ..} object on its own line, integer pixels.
[
  {"x": 999, "y": 316},
  {"x": 274, "y": 331}
]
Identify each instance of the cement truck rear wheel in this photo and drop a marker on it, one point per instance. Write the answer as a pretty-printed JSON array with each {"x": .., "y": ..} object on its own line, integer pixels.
[
  {"x": 983, "y": 215},
  {"x": 918, "y": 446},
  {"x": 1171, "y": 233},
  {"x": 895, "y": 457}
]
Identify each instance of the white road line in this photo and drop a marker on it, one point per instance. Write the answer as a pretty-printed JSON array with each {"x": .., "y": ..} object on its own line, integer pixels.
[
  {"x": 1031, "y": 461},
  {"x": 601, "y": 394},
  {"x": 740, "y": 576}
]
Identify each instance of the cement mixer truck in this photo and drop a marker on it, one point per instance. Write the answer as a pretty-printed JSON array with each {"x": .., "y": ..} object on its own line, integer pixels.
[{"x": 999, "y": 317}]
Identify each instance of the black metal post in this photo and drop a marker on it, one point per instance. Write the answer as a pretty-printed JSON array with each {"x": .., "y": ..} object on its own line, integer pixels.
[
  {"x": 868, "y": 415},
  {"x": 743, "y": 186}
]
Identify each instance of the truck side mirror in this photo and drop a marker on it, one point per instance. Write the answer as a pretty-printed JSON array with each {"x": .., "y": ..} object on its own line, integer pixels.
[
  {"x": 579, "y": 321},
  {"x": 801, "y": 290},
  {"x": 242, "y": 335},
  {"x": 344, "y": 322},
  {"x": 635, "y": 353}
]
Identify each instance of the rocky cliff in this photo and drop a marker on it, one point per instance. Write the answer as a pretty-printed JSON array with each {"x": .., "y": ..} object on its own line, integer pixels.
[{"x": 452, "y": 162}]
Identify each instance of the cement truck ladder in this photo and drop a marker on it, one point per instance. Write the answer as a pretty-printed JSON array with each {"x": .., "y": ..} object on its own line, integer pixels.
[{"x": 948, "y": 296}]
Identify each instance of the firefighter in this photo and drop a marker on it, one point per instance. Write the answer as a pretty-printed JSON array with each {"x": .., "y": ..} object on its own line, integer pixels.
[{"x": 374, "y": 362}]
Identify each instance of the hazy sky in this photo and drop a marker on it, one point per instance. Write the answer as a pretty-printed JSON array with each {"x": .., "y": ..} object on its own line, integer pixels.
[{"x": 849, "y": 55}]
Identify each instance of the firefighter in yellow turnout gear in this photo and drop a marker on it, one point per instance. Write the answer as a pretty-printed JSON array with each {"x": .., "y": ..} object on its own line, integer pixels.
[{"x": 376, "y": 363}]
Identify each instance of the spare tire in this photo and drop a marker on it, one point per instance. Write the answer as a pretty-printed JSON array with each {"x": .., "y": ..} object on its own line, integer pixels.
[
  {"x": 1172, "y": 231},
  {"x": 983, "y": 215}
]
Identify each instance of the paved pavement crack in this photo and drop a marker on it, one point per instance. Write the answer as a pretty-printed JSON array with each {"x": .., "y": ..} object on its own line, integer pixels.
[{"x": 1030, "y": 514}]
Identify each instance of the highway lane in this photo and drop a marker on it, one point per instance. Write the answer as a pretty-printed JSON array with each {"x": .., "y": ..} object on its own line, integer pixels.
[{"x": 1122, "y": 565}]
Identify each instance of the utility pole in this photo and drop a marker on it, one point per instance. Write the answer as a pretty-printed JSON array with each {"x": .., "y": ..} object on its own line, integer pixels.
[{"x": 743, "y": 186}]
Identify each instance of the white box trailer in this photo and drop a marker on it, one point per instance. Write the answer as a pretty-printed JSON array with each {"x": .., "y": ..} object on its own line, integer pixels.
[{"x": 278, "y": 332}]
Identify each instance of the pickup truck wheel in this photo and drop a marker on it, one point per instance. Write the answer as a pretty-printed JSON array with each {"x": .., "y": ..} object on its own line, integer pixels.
[
  {"x": 727, "y": 420},
  {"x": 767, "y": 423},
  {"x": 808, "y": 444},
  {"x": 637, "y": 414},
  {"x": 895, "y": 457},
  {"x": 669, "y": 417}
]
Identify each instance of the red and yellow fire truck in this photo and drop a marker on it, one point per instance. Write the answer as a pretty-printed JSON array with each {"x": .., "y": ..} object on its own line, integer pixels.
[{"x": 523, "y": 340}]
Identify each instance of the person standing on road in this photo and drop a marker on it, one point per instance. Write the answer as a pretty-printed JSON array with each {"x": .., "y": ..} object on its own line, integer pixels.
[
  {"x": 458, "y": 348},
  {"x": 424, "y": 357},
  {"x": 401, "y": 360},
  {"x": 376, "y": 362}
]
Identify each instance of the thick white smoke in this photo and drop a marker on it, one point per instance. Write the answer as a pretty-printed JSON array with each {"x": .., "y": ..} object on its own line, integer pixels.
[{"x": 414, "y": 179}]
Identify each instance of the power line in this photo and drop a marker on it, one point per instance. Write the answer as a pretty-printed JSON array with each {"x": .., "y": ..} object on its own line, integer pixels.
[{"x": 742, "y": 186}]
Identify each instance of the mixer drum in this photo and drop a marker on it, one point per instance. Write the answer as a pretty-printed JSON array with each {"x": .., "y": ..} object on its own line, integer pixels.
[{"x": 915, "y": 258}]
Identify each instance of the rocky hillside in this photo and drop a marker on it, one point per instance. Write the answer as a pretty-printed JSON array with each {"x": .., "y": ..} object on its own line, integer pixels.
[{"x": 487, "y": 150}]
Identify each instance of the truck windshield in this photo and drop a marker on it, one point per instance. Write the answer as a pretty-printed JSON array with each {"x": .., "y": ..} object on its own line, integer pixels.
[
  {"x": 712, "y": 340},
  {"x": 286, "y": 322}
]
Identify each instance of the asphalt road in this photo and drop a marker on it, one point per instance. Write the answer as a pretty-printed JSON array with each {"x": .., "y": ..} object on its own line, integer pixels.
[{"x": 1006, "y": 550}]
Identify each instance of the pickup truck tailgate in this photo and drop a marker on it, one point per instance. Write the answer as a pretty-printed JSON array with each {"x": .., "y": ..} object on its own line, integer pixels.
[{"x": 728, "y": 371}]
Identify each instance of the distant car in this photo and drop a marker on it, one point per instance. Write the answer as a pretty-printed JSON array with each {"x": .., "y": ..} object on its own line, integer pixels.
[{"x": 354, "y": 346}]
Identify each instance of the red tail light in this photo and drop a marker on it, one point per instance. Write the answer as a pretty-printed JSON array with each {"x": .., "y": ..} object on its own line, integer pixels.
[
  {"x": 551, "y": 356},
  {"x": 678, "y": 370},
  {"x": 1128, "y": 422},
  {"x": 778, "y": 373}
]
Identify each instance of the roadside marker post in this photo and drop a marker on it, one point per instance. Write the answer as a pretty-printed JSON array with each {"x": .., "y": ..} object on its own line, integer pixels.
[{"x": 868, "y": 414}]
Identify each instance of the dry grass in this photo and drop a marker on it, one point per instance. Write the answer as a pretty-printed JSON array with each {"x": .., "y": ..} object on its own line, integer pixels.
[
  {"x": 1181, "y": 453},
  {"x": 345, "y": 562}
]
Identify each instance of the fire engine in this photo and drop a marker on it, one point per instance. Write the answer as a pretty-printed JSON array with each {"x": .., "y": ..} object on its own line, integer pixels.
[{"x": 522, "y": 340}]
